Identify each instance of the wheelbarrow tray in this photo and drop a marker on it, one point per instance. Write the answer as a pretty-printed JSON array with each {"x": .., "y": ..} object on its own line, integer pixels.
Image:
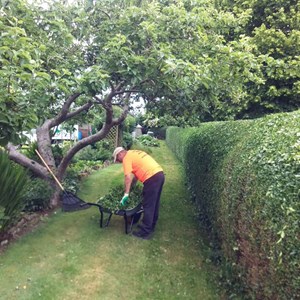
[{"x": 132, "y": 214}]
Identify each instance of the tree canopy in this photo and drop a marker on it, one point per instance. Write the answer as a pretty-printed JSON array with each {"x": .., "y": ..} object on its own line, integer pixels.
[
  {"x": 196, "y": 60},
  {"x": 273, "y": 28}
]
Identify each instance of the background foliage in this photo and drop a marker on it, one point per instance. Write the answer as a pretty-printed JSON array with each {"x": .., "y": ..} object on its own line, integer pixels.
[
  {"x": 197, "y": 60},
  {"x": 273, "y": 30}
]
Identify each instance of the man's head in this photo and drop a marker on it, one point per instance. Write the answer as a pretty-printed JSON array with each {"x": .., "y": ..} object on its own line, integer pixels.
[{"x": 118, "y": 154}]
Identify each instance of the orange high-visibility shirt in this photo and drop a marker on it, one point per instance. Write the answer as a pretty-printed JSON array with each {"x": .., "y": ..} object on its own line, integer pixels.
[{"x": 142, "y": 165}]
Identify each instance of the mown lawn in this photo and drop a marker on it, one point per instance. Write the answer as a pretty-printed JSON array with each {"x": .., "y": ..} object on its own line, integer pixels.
[{"x": 70, "y": 257}]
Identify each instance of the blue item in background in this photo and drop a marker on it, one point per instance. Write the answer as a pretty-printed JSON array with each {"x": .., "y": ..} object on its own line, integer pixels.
[{"x": 79, "y": 135}]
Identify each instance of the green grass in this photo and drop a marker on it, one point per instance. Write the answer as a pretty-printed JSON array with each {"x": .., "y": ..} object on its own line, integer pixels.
[{"x": 70, "y": 257}]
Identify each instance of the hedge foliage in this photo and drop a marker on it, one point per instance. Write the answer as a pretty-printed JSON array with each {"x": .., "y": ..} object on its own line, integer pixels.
[{"x": 245, "y": 179}]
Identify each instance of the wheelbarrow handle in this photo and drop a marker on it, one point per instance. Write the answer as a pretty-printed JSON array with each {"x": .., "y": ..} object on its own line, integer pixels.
[{"x": 90, "y": 203}]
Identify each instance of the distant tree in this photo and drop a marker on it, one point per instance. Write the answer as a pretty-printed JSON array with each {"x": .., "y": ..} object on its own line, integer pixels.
[{"x": 273, "y": 29}]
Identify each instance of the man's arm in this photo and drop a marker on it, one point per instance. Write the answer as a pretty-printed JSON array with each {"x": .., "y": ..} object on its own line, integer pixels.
[
  {"x": 127, "y": 181},
  {"x": 134, "y": 181}
]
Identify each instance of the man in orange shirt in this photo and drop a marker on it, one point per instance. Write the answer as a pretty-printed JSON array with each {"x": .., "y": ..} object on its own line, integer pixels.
[{"x": 138, "y": 165}]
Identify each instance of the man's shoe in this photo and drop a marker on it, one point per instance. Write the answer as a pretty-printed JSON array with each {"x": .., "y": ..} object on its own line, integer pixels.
[{"x": 142, "y": 235}]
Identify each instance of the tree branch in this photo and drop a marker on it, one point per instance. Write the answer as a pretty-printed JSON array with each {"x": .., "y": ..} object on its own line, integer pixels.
[
  {"x": 101, "y": 102},
  {"x": 24, "y": 161},
  {"x": 81, "y": 144},
  {"x": 84, "y": 107},
  {"x": 64, "y": 110},
  {"x": 126, "y": 91},
  {"x": 123, "y": 116}
]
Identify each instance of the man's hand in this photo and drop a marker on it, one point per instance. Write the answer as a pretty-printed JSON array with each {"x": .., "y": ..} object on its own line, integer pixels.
[{"x": 124, "y": 199}]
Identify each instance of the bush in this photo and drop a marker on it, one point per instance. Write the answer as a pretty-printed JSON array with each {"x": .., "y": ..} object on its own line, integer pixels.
[
  {"x": 148, "y": 141},
  {"x": 12, "y": 182},
  {"x": 76, "y": 171},
  {"x": 244, "y": 176},
  {"x": 72, "y": 178},
  {"x": 87, "y": 153},
  {"x": 66, "y": 146},
  {"x": 36, "y": 195},
  {"x": 97, "y": 152},
  {"x": 29, "y": 151},
  {"x": 57, "y": 153},
  {"x": 138, "y": 146},
  {"x": 127, "y": 140}
]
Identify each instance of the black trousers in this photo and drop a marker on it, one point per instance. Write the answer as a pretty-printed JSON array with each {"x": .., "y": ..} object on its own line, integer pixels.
[{"x": 151, "y": 201}]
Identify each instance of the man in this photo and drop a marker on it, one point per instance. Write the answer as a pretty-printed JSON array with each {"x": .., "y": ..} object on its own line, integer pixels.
[{"x": 138, "y": 165}]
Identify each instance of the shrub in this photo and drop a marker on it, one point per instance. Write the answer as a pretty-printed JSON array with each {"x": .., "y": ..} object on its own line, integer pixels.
[
  {"x": 159, "y": 132},
  {"x": 12, "y": 182},
  {"x": 72, "y": 178},
  {"x": 138, "y": 146},
  {"x": 97, "y": 152},
  {"x": 147, "y": 140},
  {"x": 77, "y": 170},
  {"x": 127, "y": 140},
  {"x": 29, "y": 151},
  {"x": 66, "y": 146},
  {"x": 57, "y": 153},
  {"x": 244, "y": 176},
  {"x": 87, "y": 153},
  {"x": 36, "y": 195}
]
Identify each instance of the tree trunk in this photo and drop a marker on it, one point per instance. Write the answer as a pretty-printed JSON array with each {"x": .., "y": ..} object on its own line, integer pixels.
[
  {"x": 55, "y": 199},
  {"x": 44, "y": 144},
  {"x": 79, "y": 145},
  {"x": 44, "y": 140}
]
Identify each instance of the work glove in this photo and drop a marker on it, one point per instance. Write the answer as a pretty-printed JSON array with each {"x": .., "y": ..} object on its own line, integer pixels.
[{"x": 124, "y": 199}]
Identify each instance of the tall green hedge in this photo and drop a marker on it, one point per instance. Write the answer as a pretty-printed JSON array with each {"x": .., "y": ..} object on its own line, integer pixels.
[{"x": 245, "y": 179}]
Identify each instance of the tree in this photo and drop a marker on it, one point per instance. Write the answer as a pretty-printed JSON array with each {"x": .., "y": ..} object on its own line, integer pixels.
[
  {"x": 19, "y": 59},
  {"x": 211, "y": 70},
  {"x": 273, "y": 30},
  {"x": 95, "y": 56}
]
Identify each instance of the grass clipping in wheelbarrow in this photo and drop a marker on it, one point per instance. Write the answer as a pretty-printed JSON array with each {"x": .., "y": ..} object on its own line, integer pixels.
[{"x": 111, "y": 201}]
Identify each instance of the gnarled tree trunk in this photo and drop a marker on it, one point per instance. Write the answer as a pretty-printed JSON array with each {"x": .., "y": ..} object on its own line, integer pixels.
[{"x": 44, "y": 139}]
